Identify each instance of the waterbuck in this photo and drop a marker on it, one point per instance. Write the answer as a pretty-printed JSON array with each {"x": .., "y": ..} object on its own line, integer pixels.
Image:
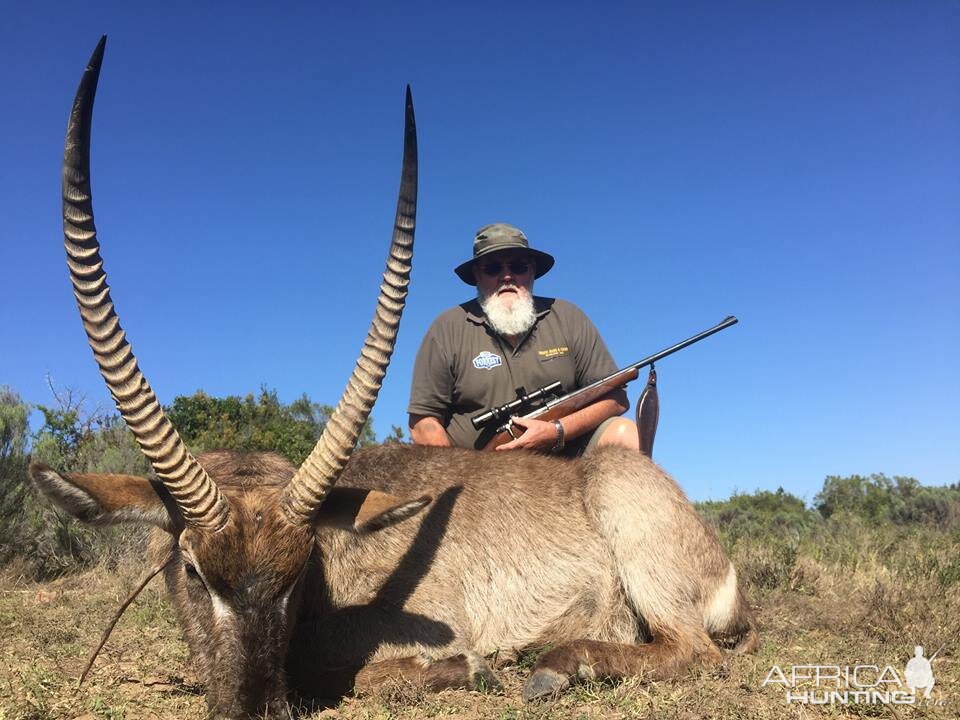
[{"x": 422, "y": 561}]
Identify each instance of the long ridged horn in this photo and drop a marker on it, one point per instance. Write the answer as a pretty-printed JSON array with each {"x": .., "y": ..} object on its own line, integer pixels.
[
  {"x": 194, "y": 491},
  {"x": 320, "y": 470}
]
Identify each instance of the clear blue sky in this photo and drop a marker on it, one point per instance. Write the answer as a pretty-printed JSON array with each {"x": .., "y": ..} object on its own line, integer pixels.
[{"x": 795, "y": 164}]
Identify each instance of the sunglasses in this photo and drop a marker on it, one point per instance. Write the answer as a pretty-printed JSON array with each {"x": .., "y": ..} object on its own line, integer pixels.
[{"x": 517, "y": 267}]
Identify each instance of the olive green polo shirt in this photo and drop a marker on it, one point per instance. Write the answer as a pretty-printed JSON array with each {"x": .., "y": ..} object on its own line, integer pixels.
[{"x": 464, "y": 367}]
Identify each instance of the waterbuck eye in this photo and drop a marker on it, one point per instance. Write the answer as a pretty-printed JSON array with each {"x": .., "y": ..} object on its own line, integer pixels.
[{"x": 191, "y": 570}]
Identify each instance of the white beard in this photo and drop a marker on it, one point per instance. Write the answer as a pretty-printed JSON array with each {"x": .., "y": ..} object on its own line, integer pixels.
[{"x": 516, "y": 319}]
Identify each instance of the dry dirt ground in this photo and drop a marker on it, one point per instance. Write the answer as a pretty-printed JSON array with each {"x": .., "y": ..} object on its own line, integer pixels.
[{"x": 813, "y": 609}]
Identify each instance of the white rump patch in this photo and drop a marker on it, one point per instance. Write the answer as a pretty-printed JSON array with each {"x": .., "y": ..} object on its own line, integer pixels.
[{"x": 720, "y": 610}]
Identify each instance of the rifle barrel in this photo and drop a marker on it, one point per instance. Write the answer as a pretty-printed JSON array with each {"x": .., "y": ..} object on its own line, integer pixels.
[{"x": 727, "y": 322}]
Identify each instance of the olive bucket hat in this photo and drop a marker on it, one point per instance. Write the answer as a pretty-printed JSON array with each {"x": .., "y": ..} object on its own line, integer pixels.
[{"x": 497, "y": 237}]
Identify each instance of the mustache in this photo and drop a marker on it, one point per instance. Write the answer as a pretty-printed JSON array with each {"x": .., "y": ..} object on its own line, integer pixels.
[
  {"x": 495, "y": 293},
  {"x": 510, "y": 286}
]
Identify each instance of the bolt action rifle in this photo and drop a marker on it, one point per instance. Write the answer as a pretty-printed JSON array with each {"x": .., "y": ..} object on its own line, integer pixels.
[{"x": 558, "y": 407}]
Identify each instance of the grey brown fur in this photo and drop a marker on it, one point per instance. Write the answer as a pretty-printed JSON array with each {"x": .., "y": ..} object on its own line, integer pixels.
[{"x": 517, "y": 551}]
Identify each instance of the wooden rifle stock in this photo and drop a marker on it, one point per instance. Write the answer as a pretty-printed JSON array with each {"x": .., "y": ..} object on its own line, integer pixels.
[
  {"x": 572, "y": 402},
  {"x": 563, "y": 406}
]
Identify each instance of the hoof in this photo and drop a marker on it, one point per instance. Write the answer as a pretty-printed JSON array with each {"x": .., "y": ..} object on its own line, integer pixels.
[
  {"x": 544, "y": 684},
  {"x": 482, "y": 678}
]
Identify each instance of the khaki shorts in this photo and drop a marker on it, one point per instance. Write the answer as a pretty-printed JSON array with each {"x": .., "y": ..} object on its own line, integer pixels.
[{"x": 587, "y": 441}]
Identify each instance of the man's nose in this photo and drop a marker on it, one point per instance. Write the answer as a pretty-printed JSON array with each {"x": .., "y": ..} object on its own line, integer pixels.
[{"x": 506, "y": 272}]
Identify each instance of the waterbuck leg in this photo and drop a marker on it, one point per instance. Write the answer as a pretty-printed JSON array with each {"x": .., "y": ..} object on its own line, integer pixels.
[
  {"x": 466, "y": 670},
  {"x": 566, "y": 664}
]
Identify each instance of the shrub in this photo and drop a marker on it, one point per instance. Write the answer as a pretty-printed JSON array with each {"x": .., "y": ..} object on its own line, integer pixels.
[
  {"x": 775, "y": 515},
  {"x": 47, "y": 542},
  {"x": 900, "y": 500},
  {"x": 254, "y": 423}
]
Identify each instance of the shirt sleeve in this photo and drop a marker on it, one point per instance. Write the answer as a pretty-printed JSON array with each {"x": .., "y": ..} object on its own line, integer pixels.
[
  {"x": 591, "y": 357},
  {"x": 431, "y": 391}
]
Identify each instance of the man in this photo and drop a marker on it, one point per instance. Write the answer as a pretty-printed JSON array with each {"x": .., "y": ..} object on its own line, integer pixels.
[{"x": 477, "y": 354}]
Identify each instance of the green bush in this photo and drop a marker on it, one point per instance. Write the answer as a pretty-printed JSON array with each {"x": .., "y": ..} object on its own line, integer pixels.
[
  {"x": 761, "y": 514},
  {"x": 254, "y": 423},
  {"x": 45, "y": 541},
  {"x": 900, "y": 500},
  {"x": 14, "y": 486}
]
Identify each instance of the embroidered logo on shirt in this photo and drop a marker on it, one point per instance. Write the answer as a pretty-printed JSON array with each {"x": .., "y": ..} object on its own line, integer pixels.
[
  {"x": 487, "y": 360},
  {"x": 553, "y": 352}
]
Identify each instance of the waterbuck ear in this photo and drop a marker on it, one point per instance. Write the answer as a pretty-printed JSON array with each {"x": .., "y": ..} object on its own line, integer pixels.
[
  {"x": 107, "y": 499},
  {"x": 366, "y": 511}
]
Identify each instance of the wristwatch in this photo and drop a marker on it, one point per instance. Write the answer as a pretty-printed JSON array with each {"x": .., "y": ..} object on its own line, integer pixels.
[{"x": 558, "y": 445}]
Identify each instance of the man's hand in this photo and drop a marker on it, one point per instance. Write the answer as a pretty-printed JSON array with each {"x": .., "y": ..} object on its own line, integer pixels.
[
  {"x": 542, "y": 434},
  {"x": 537, "y": 435}
]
